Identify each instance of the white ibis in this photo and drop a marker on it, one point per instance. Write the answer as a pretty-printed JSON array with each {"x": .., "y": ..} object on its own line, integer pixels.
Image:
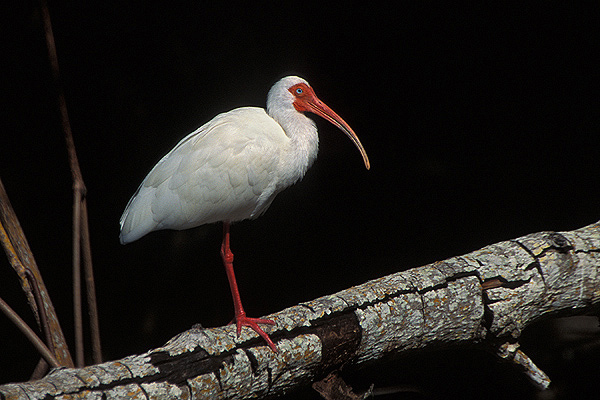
[{"x": 231, "y": 169}]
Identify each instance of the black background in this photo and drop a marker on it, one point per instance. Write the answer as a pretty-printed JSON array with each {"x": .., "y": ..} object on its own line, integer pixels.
[{"x": 481, "y": 123}]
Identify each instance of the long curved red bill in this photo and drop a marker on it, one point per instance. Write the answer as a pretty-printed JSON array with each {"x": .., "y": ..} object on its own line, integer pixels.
[{"x": 308, "y": 101}]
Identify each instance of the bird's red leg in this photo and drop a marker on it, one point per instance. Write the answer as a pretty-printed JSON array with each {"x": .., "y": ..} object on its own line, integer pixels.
[{"x": 240, "y": 314}]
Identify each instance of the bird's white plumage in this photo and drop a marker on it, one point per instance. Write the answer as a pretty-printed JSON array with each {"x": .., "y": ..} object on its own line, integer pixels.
[{"x": 229, "y": 169}]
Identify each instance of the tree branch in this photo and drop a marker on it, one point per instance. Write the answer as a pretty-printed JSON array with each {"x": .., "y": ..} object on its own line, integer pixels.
[
  {"x": 488, "y": 296},
  {"x": 21, "y": 258},
  {"x": 29, "y": 333}
]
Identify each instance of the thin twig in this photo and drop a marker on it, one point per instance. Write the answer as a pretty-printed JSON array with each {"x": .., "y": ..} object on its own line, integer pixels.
[
  {"x": 90, "y": 286},
  {"x": 22, "y": 260},
  {"x": 29, "y": 333},
  {"x": 80, "y": 224},
  {"x": 77, "y": 183},
  {"x": 77, "y": 313}
]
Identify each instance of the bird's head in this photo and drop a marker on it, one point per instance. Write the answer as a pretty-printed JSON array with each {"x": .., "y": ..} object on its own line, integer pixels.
[{"x": 293, "y": 91}]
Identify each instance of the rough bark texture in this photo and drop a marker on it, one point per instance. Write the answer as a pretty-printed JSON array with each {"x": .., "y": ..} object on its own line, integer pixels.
[{"x": 488, "y": 295}]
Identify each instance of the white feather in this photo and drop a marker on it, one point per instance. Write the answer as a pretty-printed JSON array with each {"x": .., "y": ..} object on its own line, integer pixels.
[{"x": 229, "y": 169}]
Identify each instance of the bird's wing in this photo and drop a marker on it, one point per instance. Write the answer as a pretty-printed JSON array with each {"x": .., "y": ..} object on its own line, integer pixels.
[{"x": 225, "y": 170}]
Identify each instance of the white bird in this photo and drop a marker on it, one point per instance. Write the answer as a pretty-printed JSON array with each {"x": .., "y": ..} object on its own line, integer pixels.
[{"x": 231, "y": 169}]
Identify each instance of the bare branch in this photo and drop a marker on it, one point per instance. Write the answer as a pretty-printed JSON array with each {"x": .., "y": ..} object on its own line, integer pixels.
[
  {"x": 510, "y": 351},
  {"x": 90, "y": 286},
  {"x": 15, "y": 248},
  {"x": 77, "y": 313},
  {"x": 80, "y": 223},
  {"x": 487, "y": 297},
  {"x": 21, "y": 258},
  {"x": 29, "y": 333}
]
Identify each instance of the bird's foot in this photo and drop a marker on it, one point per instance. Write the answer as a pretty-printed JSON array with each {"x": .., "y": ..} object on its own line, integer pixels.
[{"x": 252, "y": 323}]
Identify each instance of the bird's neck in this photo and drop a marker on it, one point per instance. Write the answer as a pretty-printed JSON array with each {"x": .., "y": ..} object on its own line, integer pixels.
[{"x": 304, "y": 141}]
